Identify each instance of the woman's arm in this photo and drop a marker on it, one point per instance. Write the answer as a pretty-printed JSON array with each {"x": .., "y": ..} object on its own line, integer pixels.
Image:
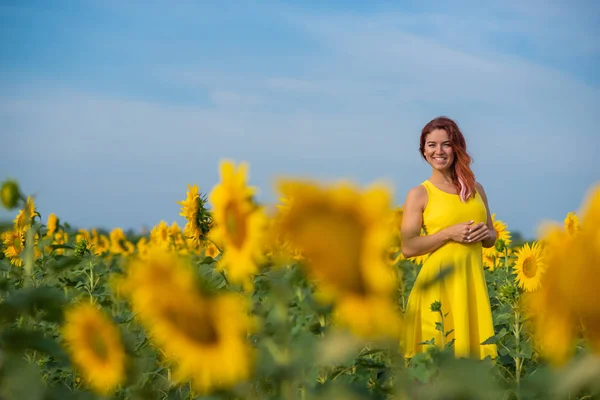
[
  {"x": 412, "y": 243},
  {"x": 486, "y": 236}
]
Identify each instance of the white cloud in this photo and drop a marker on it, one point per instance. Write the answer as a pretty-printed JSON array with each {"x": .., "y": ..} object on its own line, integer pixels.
[{"x": 355, "y": 110}]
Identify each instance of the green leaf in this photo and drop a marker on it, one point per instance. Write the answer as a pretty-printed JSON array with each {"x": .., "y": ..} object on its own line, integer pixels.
[
  {"x": 18, "y": 340},
  {"x": 439, "y": 327},
  {"x": 30, "y": 300},
  {"x": 61, "y": 263},
  {"x": 368, "y": 363},
  {"x": 526, "y": 349},
  {"x": 503, "y": 319},
  {"x": 449, "y": 332},
  {"x": 420, "y": 372},
  {"x": 61, "y": 246},
  {"x": 63, "y": 393},
  {"x": 20, "y": 380},
  {"x": 496, "y": 338},
  {"x": 372, "y": 351},
  {"x": 208, "y": 260}
]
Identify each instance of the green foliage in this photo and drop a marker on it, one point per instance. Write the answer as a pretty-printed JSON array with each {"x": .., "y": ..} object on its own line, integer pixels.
[{"x": 300, "y": 354}]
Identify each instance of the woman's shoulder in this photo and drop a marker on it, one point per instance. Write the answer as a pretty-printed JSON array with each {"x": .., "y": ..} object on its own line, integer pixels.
[
  {"x": 479, "y": 189},
  {"x": 417, "y": 194}
]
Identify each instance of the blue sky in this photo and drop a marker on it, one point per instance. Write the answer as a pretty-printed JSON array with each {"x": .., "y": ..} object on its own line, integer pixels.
[{"x": 108, "y": 109}]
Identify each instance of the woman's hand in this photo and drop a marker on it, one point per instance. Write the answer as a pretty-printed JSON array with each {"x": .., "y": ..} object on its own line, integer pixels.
[
  {"x": 478, "y": 233},
  {"x": 461, "y": 233}
]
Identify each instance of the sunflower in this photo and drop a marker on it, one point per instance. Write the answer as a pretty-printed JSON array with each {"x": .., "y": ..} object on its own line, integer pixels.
[
  {"x": 95, "y": 347},
  {"x": 566, "y": 296},
  {"x": 26, "y": 215},
  {"x": 101, "y": 242},
  {"x": 60, "y": 238},
  {"x": 239, "y": 224},
  {"x": 501, "y": 229},
  {"x": 502, "y": 233},
  {"x": 344, "y": 235},
  {"x": 395, "y": 251},
  {"x": 10, "y": 194},
  {"x": 205, "y": 337},
  {"x": 530, "y": 267},
  {"x": 83, "y": 234},
  {"x": 211, "y": 250},
  {"x": 52, "y": 224},
  {"x": 372, "y": 316},
  {"x": 119, "y": 243},
  {"x": 490, "y": 261},
  {"x": 176, "y": 235},
  {"x": 583, "y": 279},
  {"x": 14, "y": 244},
  {"x": 571, "y": 223},
  {"x": 198, "y": 218},
  {"x": 159, "y": 235},
  {"x": 143, "y": 247},
  {"x": 419, "y": 260},
  {"x": 161, "y": 271}
]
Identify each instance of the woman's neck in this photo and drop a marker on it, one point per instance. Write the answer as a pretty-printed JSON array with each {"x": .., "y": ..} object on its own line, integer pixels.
[{"x": 441, "y": 177}]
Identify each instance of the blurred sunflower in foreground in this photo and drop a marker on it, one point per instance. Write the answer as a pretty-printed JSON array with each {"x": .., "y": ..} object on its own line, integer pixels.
[
  {"x": 566, "y": 303},
  {"x": 205, "y": 336},
  {"x": 94, "y": 344},
  {"x": 344, "y": 236},
  {"x": 239, "y": 224}
]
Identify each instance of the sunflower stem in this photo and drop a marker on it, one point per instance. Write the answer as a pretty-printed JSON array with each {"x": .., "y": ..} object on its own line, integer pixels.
[
  {"x": 28, "y": 253},
  {"x": 518, "y": 359}
]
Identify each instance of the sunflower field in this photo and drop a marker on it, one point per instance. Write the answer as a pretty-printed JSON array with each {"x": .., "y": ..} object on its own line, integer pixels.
[{"x": 301, "y": 300}]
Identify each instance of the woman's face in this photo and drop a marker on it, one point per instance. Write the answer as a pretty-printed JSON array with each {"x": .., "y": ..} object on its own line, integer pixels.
[{"x": 438, "y": 150}]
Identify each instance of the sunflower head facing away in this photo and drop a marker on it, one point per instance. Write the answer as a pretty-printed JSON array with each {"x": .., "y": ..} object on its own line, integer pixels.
[{"x": 193, "y": 208}]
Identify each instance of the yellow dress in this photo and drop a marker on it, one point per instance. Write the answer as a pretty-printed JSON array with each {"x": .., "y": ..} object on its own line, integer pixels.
[{"x": 462, "y": 292}]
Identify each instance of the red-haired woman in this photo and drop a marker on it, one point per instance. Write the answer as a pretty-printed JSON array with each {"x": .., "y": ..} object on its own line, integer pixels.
[{"x": 452, "y": 210}]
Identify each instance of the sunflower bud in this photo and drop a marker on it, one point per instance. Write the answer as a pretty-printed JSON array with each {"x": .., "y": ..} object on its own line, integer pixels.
[
  {"x": 500, "y": 245},
  {"x": 81, "y": 247},
  {"x": 508, "y": 293},
  {"x": 10, "y": 194},
  {"x": 436, "y": 306}
]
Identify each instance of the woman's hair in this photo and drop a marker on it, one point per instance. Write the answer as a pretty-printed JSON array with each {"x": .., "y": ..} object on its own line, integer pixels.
[{"x": 462, "y": 176}]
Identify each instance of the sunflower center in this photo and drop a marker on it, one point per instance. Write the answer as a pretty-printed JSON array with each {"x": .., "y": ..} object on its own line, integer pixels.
[
  {"x": 122, "y": 244},
  {"x": 98, "y": 344},
  {"x": 198, "y": 328},
  {"x": 235, "y": 223},
  {"x": 17, "y": 243},
  {"x": 529, "y": 267},
  {"x": 332, "y": 240}
]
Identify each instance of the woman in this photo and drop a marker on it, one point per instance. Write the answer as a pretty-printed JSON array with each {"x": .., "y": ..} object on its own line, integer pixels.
[{"x": 452, "y": 209}]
